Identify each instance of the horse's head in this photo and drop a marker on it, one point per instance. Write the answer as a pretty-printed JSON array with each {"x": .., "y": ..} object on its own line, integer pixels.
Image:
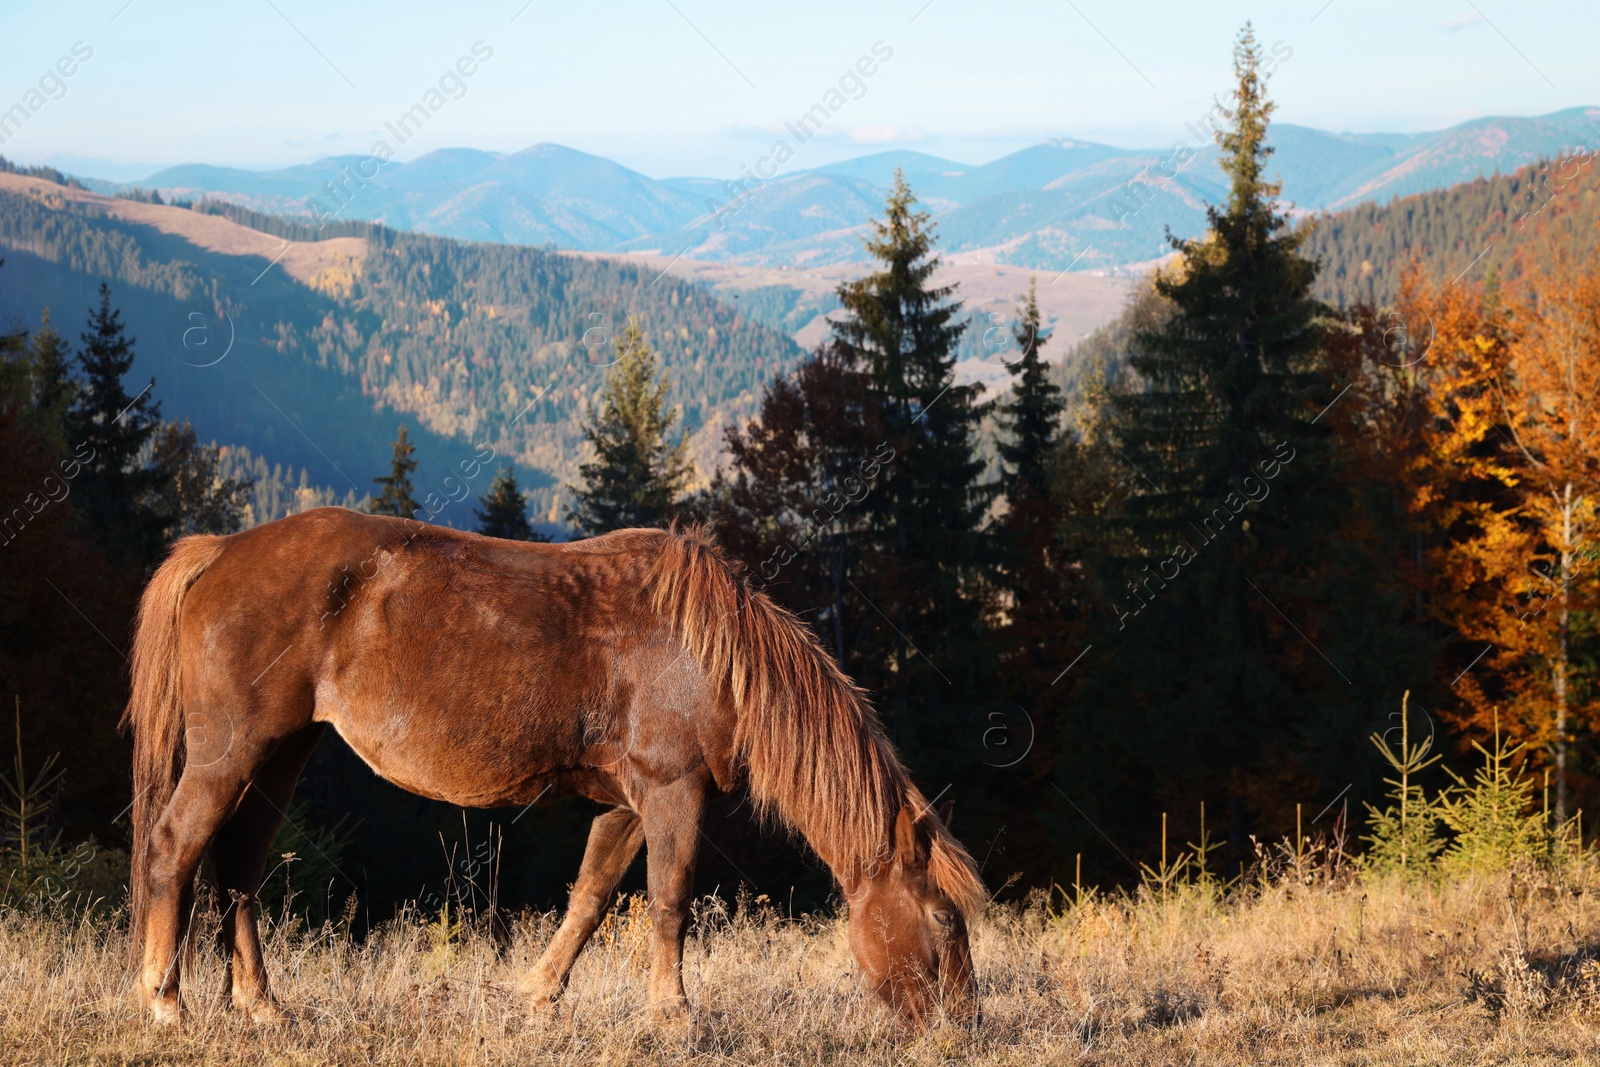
[{"x": 909, "y": 937}]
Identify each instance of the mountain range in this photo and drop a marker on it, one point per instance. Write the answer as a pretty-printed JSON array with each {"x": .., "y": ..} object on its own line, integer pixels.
[{"x": 1053, "y": 206}]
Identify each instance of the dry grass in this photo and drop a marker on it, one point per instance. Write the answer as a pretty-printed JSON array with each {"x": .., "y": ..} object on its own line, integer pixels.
[{"x": 1492, "y": 971}]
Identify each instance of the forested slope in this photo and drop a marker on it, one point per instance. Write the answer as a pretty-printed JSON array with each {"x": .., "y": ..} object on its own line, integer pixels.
[
  {"x": 1499, "y": 224},
  {"x": 475, "y": 344}
]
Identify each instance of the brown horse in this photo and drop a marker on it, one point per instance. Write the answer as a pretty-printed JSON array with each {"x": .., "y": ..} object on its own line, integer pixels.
[{"x": 637, "y": 669}]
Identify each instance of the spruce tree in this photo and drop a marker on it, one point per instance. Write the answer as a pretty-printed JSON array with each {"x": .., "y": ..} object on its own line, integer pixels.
[
  {"x": 394, "y": 495},
  {"x": 1229, "y": 487},
  {"x": 11, "y": 347},
  {"x": 1030, "y": 446},
  {"x": 114, "y": 488},
  {"x": 1030, "y": 425},
  {"x": 54, "y": 385},
  {"x": 503, "y": 512},
  {"x": 636, "y": 476},
  {"x": 926, "y": 549},
  {"x": 854, "y": 498},
  {"x": 1038, "y": 619},
  {"x": 193, "y": 496}
]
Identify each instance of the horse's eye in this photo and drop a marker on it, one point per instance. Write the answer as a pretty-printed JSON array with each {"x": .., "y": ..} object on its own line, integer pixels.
[{"x": 943, "y": 918}]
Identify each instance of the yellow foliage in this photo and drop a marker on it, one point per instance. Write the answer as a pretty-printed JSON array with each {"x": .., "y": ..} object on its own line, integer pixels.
[
  {"x": 338, "y": 281},
  {"x": 1491, "y": 426}
]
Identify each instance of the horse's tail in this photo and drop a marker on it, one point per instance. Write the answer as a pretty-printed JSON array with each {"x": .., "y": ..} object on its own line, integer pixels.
[
  {"x": 813, "y": 751},
  {"x": 154, "y": 712}
]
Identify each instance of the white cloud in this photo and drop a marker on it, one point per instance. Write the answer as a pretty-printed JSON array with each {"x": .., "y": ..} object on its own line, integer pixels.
[{"x": 1460, "y": 22}]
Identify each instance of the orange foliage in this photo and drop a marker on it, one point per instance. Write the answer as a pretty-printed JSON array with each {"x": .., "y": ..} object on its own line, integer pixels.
[
  {"x": 1551, "y": 400},
  {"x": 1485, "y": 422}
]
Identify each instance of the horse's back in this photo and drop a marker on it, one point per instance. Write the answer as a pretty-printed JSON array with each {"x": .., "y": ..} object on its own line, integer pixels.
[{"x": 462, "y": 667}]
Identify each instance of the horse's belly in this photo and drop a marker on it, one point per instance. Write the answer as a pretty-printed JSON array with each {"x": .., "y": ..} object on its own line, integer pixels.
[{"x": 445, "y": 757}]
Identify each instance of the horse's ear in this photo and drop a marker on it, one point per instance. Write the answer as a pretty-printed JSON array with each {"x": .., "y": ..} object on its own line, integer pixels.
[
  {"x": 908, "y": 847},
  {"x": 946, "y": 811}
]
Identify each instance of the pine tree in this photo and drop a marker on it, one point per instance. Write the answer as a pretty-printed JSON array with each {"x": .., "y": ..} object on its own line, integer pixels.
[
  {"x": 636, "y": 477},
  {"x": 114, "y": 489},
  {"x": 394, "y": 496},
  {"x": 503, "y": 511}
]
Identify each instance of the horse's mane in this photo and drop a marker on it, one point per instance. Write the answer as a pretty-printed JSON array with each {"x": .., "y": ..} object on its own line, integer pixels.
[{"x": 814, "y": 752}]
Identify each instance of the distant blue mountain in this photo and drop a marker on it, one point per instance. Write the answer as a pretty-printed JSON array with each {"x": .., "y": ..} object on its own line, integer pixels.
[
  {"x": 544, "y": 195},
  {"x": 922, "y": 170},
  {"x": 1060, "y": 203}
]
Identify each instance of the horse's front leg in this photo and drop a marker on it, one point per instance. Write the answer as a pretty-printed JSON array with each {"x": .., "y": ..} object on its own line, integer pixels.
[{"x": 672, "y": 815}]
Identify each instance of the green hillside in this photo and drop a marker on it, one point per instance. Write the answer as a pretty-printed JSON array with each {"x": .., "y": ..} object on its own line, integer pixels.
[{"x": 475, "y": 344}]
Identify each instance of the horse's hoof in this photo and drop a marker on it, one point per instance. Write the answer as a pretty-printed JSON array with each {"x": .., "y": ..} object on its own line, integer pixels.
[
  {"x": 673, "y": 1017},
  {"x": 167, "y": 1012},
  {"x": 545, "y": 1009},
  {"x": 540, "y": 994},
  {"x": 268, "y": 1013}
]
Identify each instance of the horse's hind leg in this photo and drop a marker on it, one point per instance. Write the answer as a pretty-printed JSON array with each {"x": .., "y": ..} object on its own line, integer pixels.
[
  {"x": 240, "y": 855},
  {"x": 614, "y": 840},
  {"x": 204, "y": 799}
]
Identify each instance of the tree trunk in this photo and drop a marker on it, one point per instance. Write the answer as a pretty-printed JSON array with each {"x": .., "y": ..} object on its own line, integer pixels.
[{"x": 1563, "y": 617}]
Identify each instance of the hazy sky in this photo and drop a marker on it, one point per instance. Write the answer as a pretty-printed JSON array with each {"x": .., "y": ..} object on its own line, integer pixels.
[{"x": 675, "y": 87}]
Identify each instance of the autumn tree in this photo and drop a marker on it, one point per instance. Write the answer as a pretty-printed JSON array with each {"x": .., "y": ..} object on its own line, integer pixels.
[
  {"x": 1551, "y": 398},
  {"x": 636, "y": 476},
  {"x": 1477, "y": 413},
  {"x": 791, "y": 504},
  {"x": 1440, "y": 366}
]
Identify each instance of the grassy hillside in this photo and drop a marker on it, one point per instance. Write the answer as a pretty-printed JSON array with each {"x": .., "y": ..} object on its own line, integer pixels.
[{"x": 337, "y": 340}]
